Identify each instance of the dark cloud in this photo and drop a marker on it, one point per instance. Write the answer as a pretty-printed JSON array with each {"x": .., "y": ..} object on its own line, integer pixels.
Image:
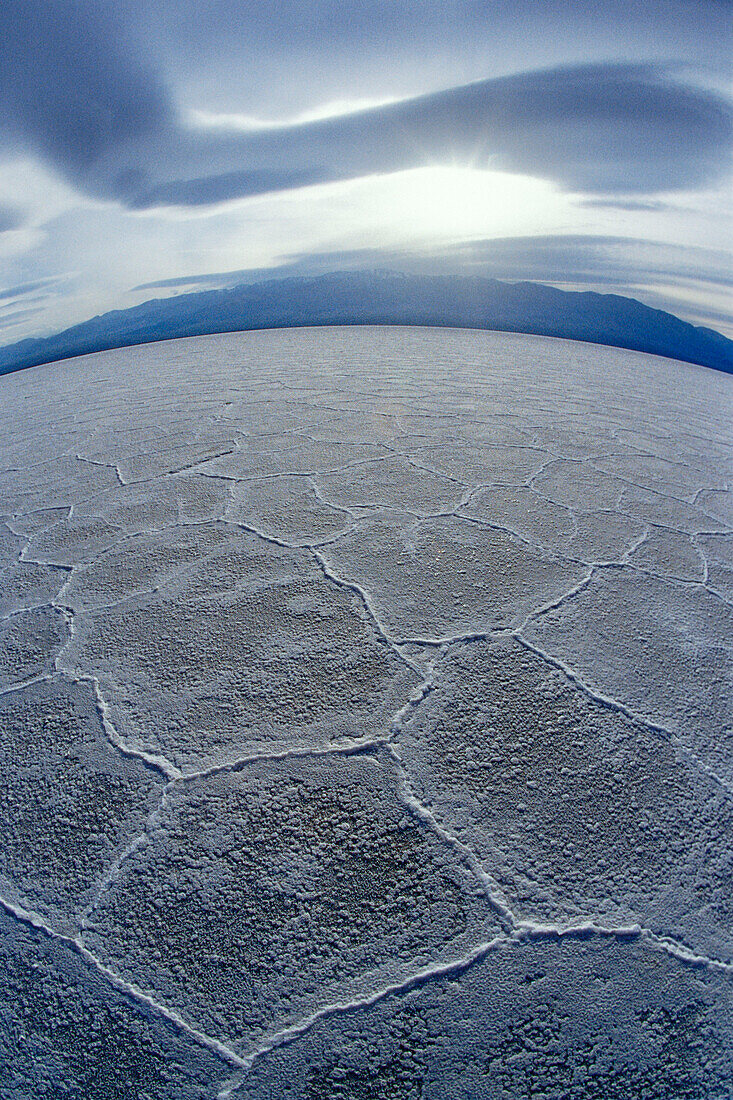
[
  {"x": 273, "y": 57},
  {"x": 214, "y": 189},
  {"x": 70, "y": 84},
  {"x": 168, "y": 284},
  {"x": 694, "y": 312},
  {"x": 595, "y": 258},
  {"x": 217, "y": 279}
]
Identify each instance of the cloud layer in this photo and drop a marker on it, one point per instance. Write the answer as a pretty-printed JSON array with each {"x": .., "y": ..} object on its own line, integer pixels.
[
  {"x": 594, "y": 129},
  {"x": 78, "y": 94},
  {"x": 127, "y": 130},
  {"x": 70, "y": 86}
]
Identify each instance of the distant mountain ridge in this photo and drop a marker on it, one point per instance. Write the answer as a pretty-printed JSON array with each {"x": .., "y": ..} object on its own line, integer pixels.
[{"x": 378, "y": 297}]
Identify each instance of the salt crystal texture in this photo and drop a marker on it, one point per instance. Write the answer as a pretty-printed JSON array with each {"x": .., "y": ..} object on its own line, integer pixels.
[{"x": 365, "y": 712}]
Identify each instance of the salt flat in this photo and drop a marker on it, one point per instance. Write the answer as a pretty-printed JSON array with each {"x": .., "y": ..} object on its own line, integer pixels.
[{"x": 365, "y": 706}]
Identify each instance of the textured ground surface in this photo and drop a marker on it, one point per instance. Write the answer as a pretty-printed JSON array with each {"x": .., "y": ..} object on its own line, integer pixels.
[{"x": 365, "y": 720}]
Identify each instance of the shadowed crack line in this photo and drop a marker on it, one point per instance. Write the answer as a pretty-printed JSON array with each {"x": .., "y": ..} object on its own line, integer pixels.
[
  {"x": 530, "y": 543},
  {"x": 673, "y": 578},
  {"x": 109, "y": 465},
  {"x": 496, "y": 632},
  {"x": 421, "y": 813},
  {"x": 49, "y": 605},
  {"x": 21, "y": 685},
  {"x": 65, "y": 565},
  {"x": 521, "y": 932},
  {"x": 130, "y": 536},
  {"x": 365, "y": 747},
  {"x": 74, "y": 943},
  {"x": 553, "y": 605},
  {"x": 285, "y": 544},
  {"x": 102, "y": 492},
  {"x": 318, "y": 493},
  {"x": 621, "y": 708},
  {"x": 441, "y": 640},
  {"x": 309, "y": 473},
  {"x": 114, "y": 871},
  {"x": 648, "y": 488},
  {"x": 704, "y": 557},
  {"x": 154, "y": 760},
  {"x": 412, "y": 461},
  {"x": 287, "y": 1035},
  {"x": 366, "y": 600},
  {"x": 179, "y": 469},
  {"x": 93, "y": 608},
  {"x": 531, "y": 930}
]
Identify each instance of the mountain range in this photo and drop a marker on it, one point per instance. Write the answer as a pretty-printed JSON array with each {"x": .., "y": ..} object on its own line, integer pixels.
[{"x": 386, "y": 297}]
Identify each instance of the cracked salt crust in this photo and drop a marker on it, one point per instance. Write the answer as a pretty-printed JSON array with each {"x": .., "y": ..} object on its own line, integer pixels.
[{"x": 365, "y": 703}]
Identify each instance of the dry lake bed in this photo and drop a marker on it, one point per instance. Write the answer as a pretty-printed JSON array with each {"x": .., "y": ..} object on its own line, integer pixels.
[{"x": 365, "y": 713}]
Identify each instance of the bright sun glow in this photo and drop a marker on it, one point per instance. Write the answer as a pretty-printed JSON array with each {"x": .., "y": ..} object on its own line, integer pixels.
[{"x": 450, "y": 202}]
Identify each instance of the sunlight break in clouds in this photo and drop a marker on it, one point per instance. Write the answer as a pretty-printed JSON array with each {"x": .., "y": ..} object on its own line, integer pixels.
[{"x": 139, "y": 144}]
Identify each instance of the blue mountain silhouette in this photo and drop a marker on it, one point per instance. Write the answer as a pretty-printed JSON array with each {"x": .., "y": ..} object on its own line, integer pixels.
[{"x": 384, "y": 297}]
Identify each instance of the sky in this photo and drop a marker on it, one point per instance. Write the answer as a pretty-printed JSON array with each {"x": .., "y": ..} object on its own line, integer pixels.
[{"x": 154, "y": 149}]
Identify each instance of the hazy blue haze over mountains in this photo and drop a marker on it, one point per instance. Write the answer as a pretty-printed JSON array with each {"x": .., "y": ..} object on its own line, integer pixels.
[{"x": 365, "y": 297}]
